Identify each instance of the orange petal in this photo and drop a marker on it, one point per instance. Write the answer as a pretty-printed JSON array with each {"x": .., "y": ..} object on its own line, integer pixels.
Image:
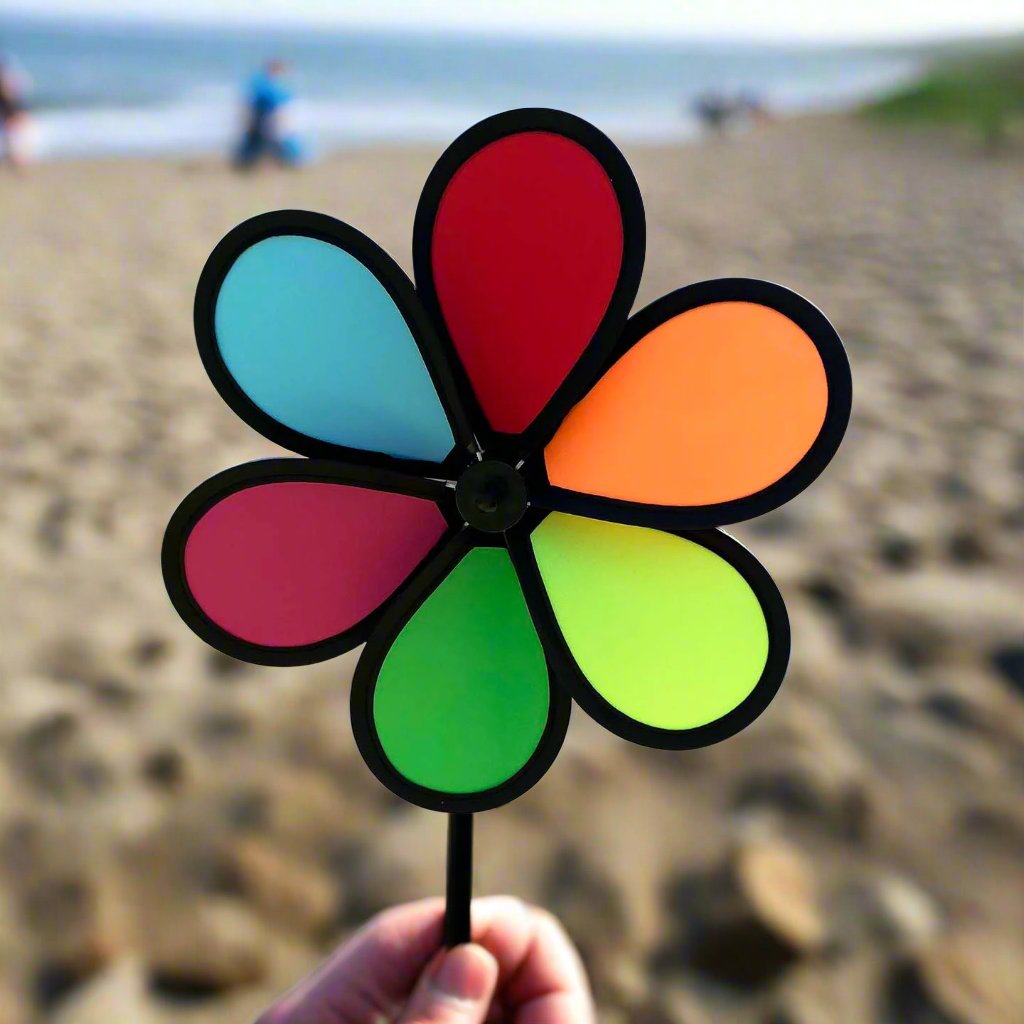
[{"x": 713, "y": 405}]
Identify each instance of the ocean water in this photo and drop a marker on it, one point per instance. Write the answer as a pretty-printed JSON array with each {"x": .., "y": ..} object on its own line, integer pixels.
[{"x": 109, "y": 89}]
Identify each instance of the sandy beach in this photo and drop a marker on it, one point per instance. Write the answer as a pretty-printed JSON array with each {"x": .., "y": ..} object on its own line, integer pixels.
[{"x": 182, "y": 835}]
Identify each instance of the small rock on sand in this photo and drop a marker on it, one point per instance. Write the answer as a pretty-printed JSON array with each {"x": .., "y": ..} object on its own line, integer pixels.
[
  {"x": 972, "y": 975},
  {"x": 214, "y": 946},
  {"x": 285, "y": 890},
  {"x": 749, "y": 919}
]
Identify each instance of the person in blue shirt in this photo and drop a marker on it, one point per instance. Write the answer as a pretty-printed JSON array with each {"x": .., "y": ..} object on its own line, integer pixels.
[{"x": 268, "y": 132}]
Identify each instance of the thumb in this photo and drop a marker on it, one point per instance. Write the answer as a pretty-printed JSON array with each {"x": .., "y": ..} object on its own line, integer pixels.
[{"x": 456, "y": 989}]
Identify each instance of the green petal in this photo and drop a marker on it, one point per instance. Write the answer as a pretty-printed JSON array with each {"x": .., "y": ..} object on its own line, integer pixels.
[
  {"x": 461, "y": 699},
  {"x": 667, "y": 632}
]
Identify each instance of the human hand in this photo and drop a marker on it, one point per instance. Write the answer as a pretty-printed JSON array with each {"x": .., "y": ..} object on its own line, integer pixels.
[{"x": 521, "y": 968}]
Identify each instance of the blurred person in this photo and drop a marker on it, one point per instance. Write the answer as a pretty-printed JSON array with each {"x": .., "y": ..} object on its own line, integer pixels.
[
  {"x": 521, "y": 967},
  {"x": 14, "y": 115},
  {"x": 718, "y": 112},
  {"x": 268, "y": 131},
  {"x": 713, "y": 110}
]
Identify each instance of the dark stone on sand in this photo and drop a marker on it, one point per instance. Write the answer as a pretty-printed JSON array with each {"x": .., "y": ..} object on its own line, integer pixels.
[
  {"x": 206, "y": 949},
  {"x": 779, "y": 523},
  {"x": 955, "y": 486},
  {"x": 222, "y": 725},
  {"x": 150, "y": 650},
  {"x": 792, "y": 791},
  {"x": 53, "y": 755},
  {"x": 164, "y": 767},
  {"x": 899, "y": 552},
  {"x": 223, "y": 667},
  {"x": 1008, "y": 661},
  {"x": 115, "y": 693},
  {"x": 967, "y": 548},
  {"x": 744, "y": 923},
  {"x": 53, "y": 982},
  {"x": 967, "y": 976},
  {"x": 247, "y": 809},
  {"x": 951, "y": 709},
  {"x": 181, "y": 990},
  {"x": 827, "y": 594},
  {"x": 914, "y": 652},
  {"x": 52, "y": 528}
]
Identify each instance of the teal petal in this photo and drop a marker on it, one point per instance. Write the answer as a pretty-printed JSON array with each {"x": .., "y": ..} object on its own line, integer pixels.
[{"x": 314, "y": 339}]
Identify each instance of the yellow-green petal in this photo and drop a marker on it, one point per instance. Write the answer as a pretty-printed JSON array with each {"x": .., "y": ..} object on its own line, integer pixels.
[{"x": 665, "y": 630}]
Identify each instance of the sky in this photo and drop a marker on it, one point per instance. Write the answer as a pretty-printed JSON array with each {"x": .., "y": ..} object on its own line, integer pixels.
[{"x": 842, "y": 20}]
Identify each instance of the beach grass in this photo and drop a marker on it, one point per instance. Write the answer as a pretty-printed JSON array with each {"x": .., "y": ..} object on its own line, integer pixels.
[{"x": 982, "y": 91}]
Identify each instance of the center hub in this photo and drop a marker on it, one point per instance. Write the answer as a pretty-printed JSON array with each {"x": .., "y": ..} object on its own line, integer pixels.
[{"x": 491, "y": 496}]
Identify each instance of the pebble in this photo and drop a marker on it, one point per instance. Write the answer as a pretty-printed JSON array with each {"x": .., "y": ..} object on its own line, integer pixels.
[
  {"x": 748, "y": 919},
  {"x": 284, "y": 890},
  {"x": 971, "y": 975},
  {"x": 211, "y": 947}
]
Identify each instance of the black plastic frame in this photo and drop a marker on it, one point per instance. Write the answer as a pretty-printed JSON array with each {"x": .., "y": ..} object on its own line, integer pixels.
[
  {"x": 422, "y": 584},
  {"x": 512, "y": 447},
  {"x": 402, "y": 292},
  {"x": 675, "y": 517},
  {"x": 254, "y": 474},
  {"x": 331, "y": 463},
  {"x": 572, "y": 677}
]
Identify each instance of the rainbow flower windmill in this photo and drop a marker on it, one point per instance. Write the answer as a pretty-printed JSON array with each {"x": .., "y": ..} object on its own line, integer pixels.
[{"x": 509, "y": 488}]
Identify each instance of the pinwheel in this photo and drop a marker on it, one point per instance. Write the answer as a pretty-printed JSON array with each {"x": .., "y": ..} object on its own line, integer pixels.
[{"x": 509, "y": 488}]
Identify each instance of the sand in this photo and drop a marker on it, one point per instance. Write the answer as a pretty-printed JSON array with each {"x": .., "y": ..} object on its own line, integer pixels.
[{"x": 158, "y": 799}]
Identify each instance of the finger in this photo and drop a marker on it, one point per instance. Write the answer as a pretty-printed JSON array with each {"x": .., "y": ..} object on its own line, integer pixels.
[
  {"x": 504, "y": 926},
  {"x": 457, "y": 989},
  {"x": 373, "y": 973},
  {"x": 541, "y": 978},
  {"x": 546, "y": 983}
]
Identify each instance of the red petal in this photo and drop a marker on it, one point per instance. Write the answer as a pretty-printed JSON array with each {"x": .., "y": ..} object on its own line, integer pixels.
[{"x": 526, "y": 252}]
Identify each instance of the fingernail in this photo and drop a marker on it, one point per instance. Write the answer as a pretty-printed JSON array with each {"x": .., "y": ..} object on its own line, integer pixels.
[{"x": 464, "y": 973}]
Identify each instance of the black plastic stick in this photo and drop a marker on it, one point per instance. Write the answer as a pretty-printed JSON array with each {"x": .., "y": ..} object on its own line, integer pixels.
[{"x": 460, "y": 879}]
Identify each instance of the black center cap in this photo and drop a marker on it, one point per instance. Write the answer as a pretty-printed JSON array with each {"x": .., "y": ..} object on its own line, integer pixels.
[{"x": 491, "y": 496}]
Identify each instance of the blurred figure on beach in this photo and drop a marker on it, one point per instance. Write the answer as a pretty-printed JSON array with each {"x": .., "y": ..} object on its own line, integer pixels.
[
  {"x": 717, "y": 112},
  {"x": 14, "y": 116},
  {"x": 268, "y": 130}
]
